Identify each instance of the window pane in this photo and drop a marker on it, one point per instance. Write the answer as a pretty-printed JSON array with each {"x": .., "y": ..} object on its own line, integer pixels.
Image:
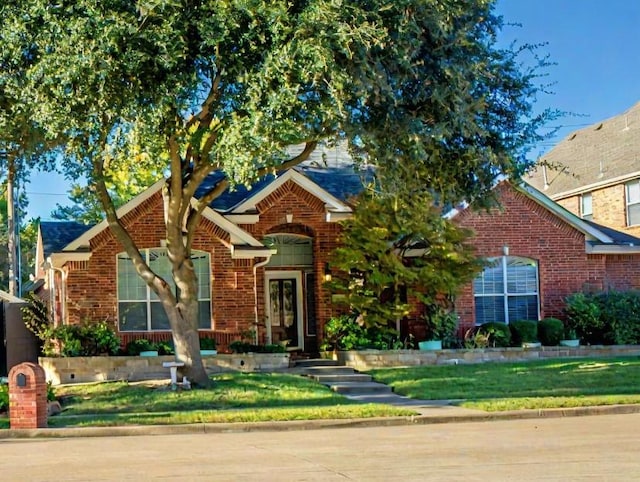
[
  {"x": 489, "y": 308},
  {"x": 523, "y": 307},
  {"x": 633, "y": 192},
  {"x": 292, "y": 250},
  {"x": 204, "y": 315},
  {"x": 521, "y": 276},
  {"x": 490, "y": 281},
  {"x": 159, "y": 318},
  {"x": 130, "y": 286},
  {"x": 201, "y": 266},
  {"x": 634, "y": 215},
  {"x": 159, "y": 263},
  {"x": 586, "y": 205},
  {"x": 132, "y": 316}
]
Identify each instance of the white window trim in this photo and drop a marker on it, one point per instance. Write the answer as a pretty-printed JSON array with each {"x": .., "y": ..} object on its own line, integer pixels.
[
  {"x": 505, "y": 294},
  {"x": 148, "y": 300},
  {"x": 627, "y": 203},
  {"x": 583, "y": 213}
]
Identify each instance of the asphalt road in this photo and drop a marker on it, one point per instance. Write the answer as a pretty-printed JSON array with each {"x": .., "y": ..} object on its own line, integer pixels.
[{"x": 577, "y": 448}]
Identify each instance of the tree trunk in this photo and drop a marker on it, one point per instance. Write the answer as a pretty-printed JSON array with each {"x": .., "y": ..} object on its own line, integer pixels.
[{"x": 11, "y": 228}]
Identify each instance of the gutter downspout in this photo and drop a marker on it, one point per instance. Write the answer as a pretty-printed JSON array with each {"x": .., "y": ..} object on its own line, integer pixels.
[{"x": 255, "y": 294}]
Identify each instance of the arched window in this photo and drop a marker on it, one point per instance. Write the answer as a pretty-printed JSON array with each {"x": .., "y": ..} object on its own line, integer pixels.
[
  {"x": 139, "y": 308},
  {"x": 292, "y": 250},
  {"x": 507, "y": 290}
]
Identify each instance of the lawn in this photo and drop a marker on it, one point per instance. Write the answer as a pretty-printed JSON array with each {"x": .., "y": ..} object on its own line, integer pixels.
[
  {"x": 512, "y": 386},
  {"x": 235, "y": 397}
]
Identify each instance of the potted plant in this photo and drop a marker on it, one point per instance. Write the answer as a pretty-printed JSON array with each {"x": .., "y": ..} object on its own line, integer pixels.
[
  {"x": 440, "y": 326},
  {"x": 142, "y": 347},
  {"x": 570, "y": 338},
  {"x": 208, "y": 346}
]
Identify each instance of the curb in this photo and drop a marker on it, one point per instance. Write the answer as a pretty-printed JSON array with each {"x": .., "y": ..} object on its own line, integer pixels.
[{"x": 204, "y": 428}]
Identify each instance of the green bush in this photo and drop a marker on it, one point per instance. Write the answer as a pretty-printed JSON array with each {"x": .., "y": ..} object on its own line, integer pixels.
[
  {"x": 347, "y": 333},
  {"x": 164, "y": 347},
  {"x": 4, "y": 397},
  {"x": 523, "y": 331},
  {"x": 207, "y": 343},
  {"x": 497, "y": 334},
  {"x": 441, "y": 325},
  {"x": 584, "y": 317},
  {"x": 550, "y": 331},
  {"x": 135, "y": 347},
  {"x": 611, "y": 317},
  {"x": 240, "y": 346}
]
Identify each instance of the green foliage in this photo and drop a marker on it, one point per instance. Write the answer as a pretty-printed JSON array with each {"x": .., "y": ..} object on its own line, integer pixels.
[
  {"x": 474, "y": 338},
  {"x": 419, "y": 89},
  {"x": 397, "y": 248},
  {"x": 85, "y": 339},
  {"x": 164, "y": 348},
  {"x": 134, "y": 347},
  {"x": 4, "y": 397},
  {"x": 347, "y": 332},
  {"x": 610, "y": 317},
  {"x": 35, "y": 316},
  {"x": 441, "y": 325},
  {"x": 207, "y": 343},
  {"x": 584, "y": 316},
  {"x": 523, "y": 331},
  {"x": 498, "y": 334},
  {"x": 240, "y": 346},
  {"x": 550, "y": 331}
]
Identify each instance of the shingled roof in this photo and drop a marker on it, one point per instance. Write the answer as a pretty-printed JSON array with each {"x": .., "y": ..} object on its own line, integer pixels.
[
  {"x": 604, "y": 153},
  {"x": 331, "y": 168},
  {"x": 57, "y": 234}
]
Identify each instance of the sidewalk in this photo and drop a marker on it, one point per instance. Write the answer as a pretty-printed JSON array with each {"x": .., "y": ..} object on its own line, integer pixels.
[{"x": 429, "y": 412}]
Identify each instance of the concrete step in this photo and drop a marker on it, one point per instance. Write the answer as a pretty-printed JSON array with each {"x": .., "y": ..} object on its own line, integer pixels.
[
  {"x": 344, "y": 377},
  {"x": 323, "y": 370},
  {"x": 359, "y": 388},
  {"x": 316, "y": 362}
]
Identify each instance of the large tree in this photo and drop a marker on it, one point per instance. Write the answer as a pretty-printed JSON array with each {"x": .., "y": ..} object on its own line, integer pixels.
[{"x": 194, "y": 86}]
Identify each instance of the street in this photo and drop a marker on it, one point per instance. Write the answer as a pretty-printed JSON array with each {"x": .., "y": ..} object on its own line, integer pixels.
[{"x": 576, "y": 448}]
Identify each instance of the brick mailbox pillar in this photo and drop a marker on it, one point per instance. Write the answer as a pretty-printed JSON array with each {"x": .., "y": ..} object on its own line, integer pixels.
[{"x": 27, "y": 396}]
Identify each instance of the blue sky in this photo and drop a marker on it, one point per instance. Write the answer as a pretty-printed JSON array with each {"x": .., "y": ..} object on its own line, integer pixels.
[{"x": 595, "y": 44}]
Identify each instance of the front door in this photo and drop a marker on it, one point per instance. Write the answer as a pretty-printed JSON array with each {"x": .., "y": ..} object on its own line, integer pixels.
[{"x": 284, "y": 308}]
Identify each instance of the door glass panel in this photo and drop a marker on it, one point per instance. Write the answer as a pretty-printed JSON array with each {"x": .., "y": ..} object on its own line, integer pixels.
[{"x": 274, "y": 299}]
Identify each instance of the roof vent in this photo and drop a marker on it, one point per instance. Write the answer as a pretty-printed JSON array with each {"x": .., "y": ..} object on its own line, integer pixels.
[{"x": 626, "y": 123}]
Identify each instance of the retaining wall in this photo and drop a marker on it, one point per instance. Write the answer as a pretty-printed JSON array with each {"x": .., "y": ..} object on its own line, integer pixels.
[
  {"x": 368, "y": 359},
  {"x": 136, "y": 368}
]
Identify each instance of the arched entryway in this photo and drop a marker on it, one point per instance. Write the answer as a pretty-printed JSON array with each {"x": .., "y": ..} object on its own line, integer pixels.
[{"x": 289, "y": 290}]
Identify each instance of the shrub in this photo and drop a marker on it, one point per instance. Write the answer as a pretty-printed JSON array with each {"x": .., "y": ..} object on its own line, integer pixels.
[
  {"x": 207, "y": 343},
  {"x": 620, "y": 316},
  {"x": 498, "y": 334},
  {"x": 441, "y": 325},
  {"x": 240, "y": 346},
  {"x": 584, "y": 316},
  {"x": 4, "y": 397},
  {"x": 474, "y": 338},
  {"x": 550, "y": 331},
  {"x": 523, "y": 331},
  {"x": 164, "y": 347},
  {"x": 134, "y": 347},
  {"x": 348, "y": 333}
]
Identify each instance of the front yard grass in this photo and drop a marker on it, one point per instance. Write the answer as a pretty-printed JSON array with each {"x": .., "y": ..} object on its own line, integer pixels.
[
  {"x": 550, "y": 383},
  {"x": 235, "y": 397}
]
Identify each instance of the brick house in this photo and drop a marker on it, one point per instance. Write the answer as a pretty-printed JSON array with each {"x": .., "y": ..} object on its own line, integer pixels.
[
  {"x": 261, "y": 256},
  {"x": 542, "y": 252},
  {"x": 595, "y": 172}
]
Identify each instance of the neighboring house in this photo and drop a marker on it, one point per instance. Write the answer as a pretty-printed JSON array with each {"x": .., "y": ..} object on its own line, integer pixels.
[
  {"x": 541, "y": 253},
  {"x": 260, "y": 255},
  {"x": 595, "y": 172}
]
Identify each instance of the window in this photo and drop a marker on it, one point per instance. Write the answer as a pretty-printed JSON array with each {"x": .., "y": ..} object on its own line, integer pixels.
[
  {"x": 507, "y": 291},
  {"x": 292, "y": 250},
  {"x": 586, "y": 209},
  {"x": 633, "y": 202},
  {"x": 139, "y": 308}
]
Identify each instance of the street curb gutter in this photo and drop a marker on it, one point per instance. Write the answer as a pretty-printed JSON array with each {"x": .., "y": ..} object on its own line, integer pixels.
[{"x": 203, "y": 428}]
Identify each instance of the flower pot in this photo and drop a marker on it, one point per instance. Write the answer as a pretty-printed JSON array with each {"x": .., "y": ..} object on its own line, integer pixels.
[
  {"x": 571, "y": 343},
  {"x": 430, "y": 345},
  {"x": 149, "y": 353},
  {"x": 531, "y": 344},
  {"x": 208, "y": 352}
]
